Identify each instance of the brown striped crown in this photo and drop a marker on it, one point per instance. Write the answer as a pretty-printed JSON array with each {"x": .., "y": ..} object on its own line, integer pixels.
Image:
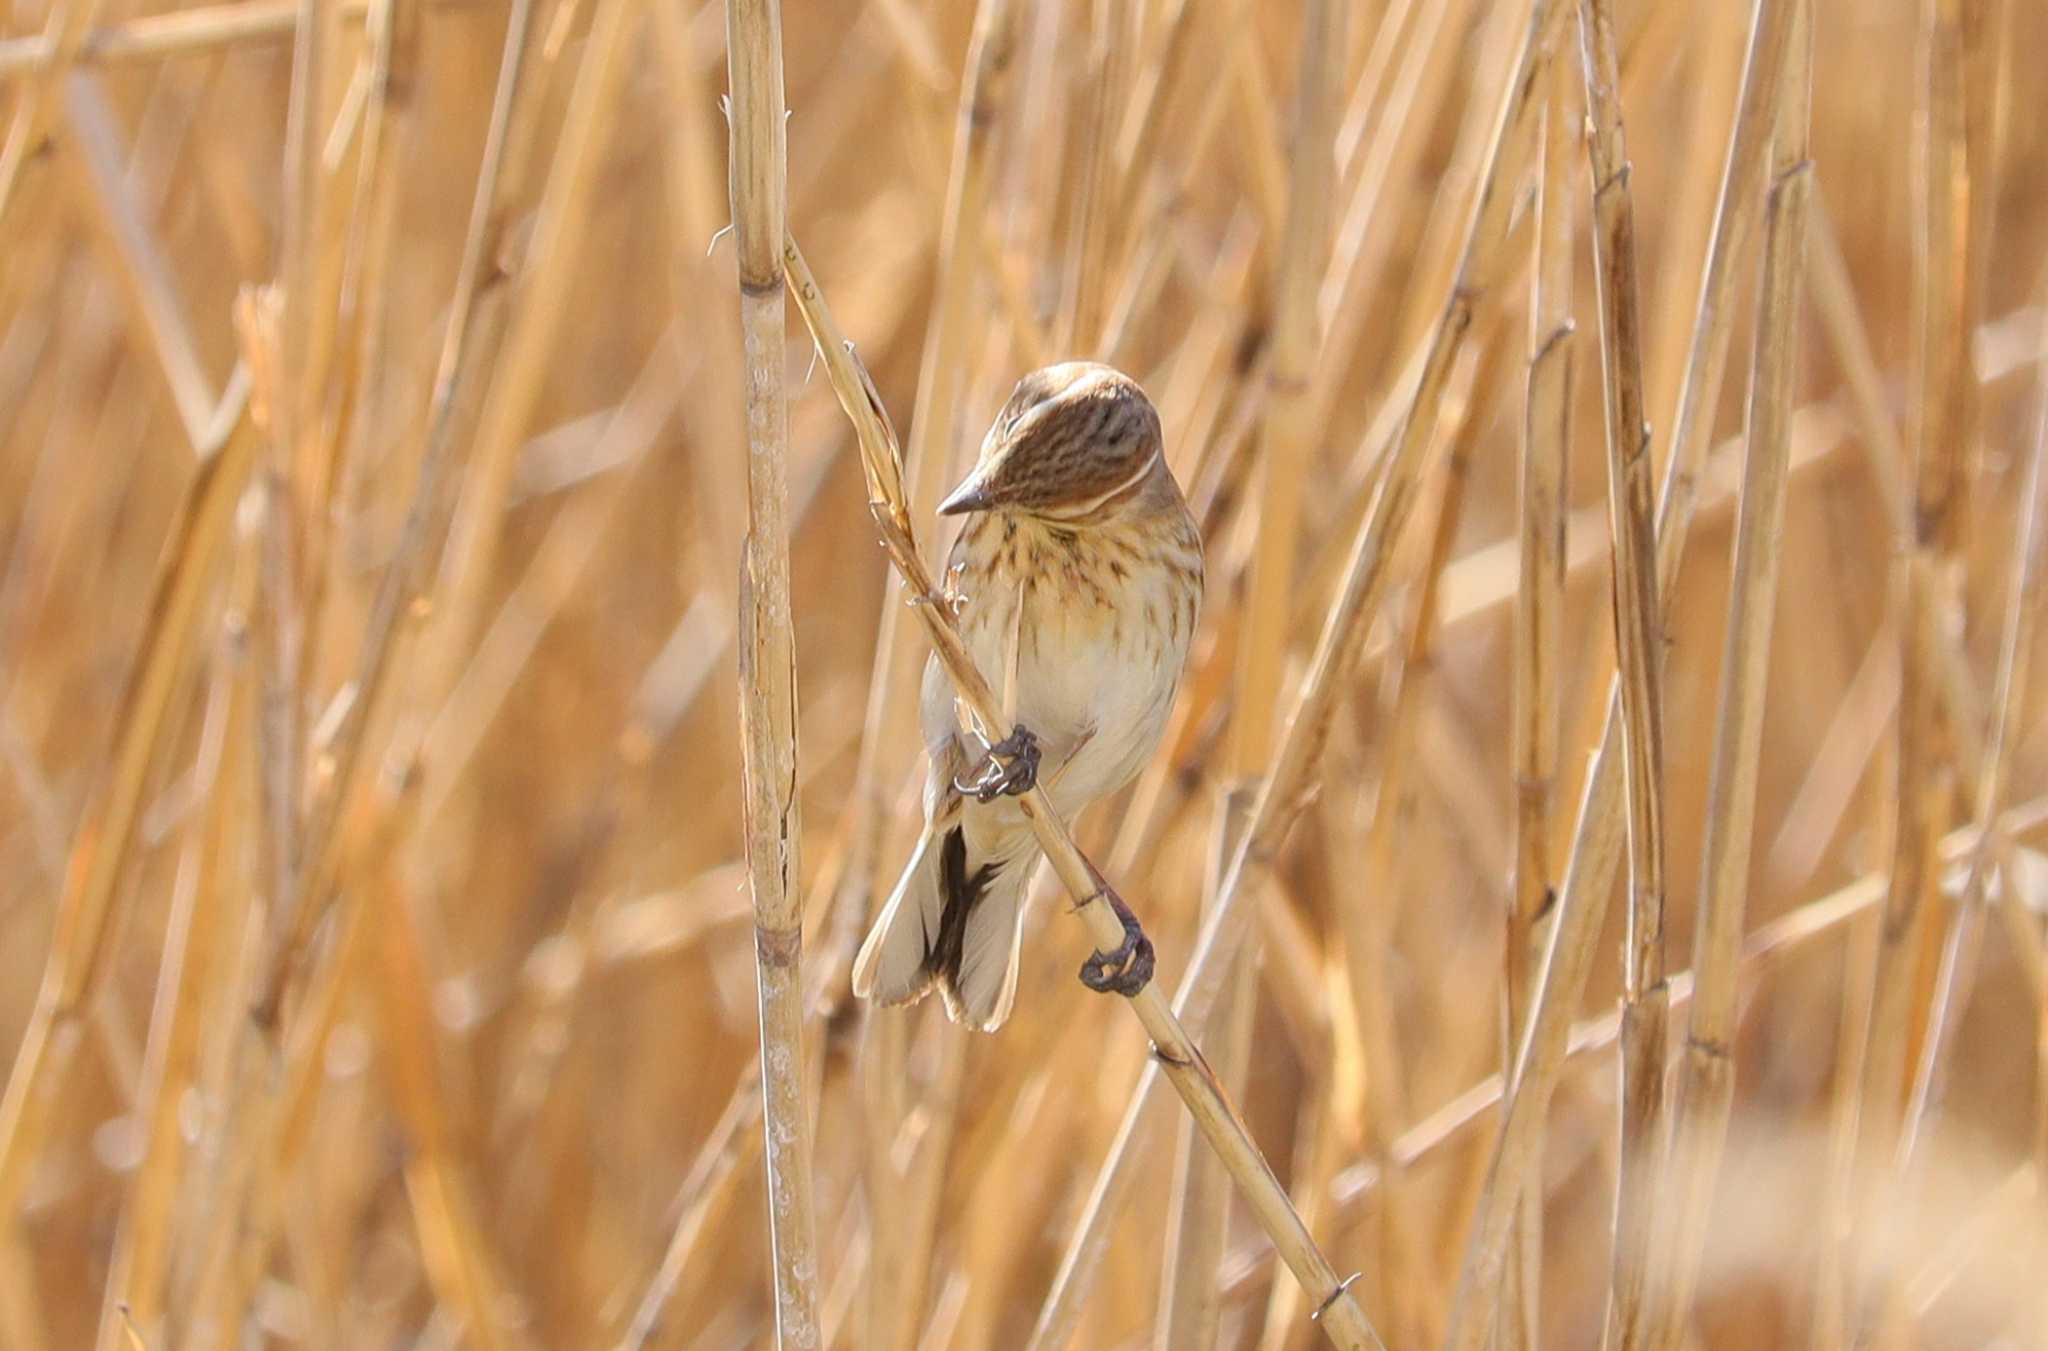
[{"x": 1071, "y": 437}]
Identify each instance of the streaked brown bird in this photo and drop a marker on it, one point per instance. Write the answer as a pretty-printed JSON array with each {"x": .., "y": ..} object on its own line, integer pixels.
[{"x": 1076, "y": 581}]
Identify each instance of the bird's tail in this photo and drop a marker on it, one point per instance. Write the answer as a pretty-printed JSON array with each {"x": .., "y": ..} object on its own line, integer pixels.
[{"x": 951, "y": 924}]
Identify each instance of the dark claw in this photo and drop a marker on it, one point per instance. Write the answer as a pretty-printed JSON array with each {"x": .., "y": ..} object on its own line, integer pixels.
[
  {"x": 1126, "y": 970},
  {"x": 1010, "y": 767}
]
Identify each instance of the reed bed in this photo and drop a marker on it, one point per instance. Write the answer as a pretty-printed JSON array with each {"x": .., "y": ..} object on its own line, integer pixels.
[{"x": 456, "y": 721}]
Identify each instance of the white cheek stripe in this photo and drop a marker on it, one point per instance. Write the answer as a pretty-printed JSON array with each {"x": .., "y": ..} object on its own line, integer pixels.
[{"x": 1092, "y": 503}]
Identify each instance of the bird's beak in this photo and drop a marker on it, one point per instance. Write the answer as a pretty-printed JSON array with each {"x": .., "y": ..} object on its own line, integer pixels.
[{"x": 971, "y": 495}]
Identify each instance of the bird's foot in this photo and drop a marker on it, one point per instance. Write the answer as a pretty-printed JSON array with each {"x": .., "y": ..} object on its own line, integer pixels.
[
  {"x": 1010, "y": 768},
  {"x": 1126, "y": 969}
]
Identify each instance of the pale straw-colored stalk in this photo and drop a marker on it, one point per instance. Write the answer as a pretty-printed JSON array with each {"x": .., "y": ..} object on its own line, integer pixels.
[
  {"x": 1596, "y": 850},
  {"x": 1938, "y": 441},
  {"x": 1484, "y": 261},
  {"x": 1189, "y": 1308},
  {"x": 767, "y": 662},
  {"x": 1630, "y": 510},
  {"x": 1542, "y": 490},
  {"x": 85, "y": 908},
  {"x": 898, "y": 1289},
  {"x": 1707, "y": 1077}
]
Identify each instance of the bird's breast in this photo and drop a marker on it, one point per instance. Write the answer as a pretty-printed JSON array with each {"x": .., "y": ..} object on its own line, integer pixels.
[{"x": 1084, "y": 632}]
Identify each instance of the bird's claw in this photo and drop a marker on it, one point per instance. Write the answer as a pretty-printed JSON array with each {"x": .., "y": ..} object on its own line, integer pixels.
[
  {"x": 1010, "y": 768},
  {"x": 1128, "y": 968}
]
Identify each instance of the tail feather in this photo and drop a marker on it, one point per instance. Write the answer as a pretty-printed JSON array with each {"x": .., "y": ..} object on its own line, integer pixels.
[
  {"x": 893, "y": 965},
  {"x": 981, "y": 931},
  {"x": 951, "y": 925}
]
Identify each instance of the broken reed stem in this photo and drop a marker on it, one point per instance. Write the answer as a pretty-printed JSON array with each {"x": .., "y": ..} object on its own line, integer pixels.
[
  {"x": 1287, "y": 782},
  {"x": 767, "y": 661},
  {"x": 1596, "y": 847},
  {"x": 1537, "y": 639},
  {"x": 1095, "y": 900},
  {"x": 1630, "y": 510},
  {"x": 1707, "y": 1075}
]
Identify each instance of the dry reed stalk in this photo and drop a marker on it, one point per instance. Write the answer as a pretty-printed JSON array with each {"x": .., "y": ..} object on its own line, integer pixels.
[
  {"x": 1103, "y": 97},
  {"x": 1307, "y": 725},
  {"x": 240, "y": 24},
  {"x": 401, "y": 586},
  {"x": 288, "y": 307},
  {"x": 192, "y": 958},
  {"x": 1646, "y": 1005},
  {"x": 898, "y": 1286},
  {"x": 1286, "y": 440},
  {"x": 540, "y": 299},
  {"x": 1198, "y": 1199},
  {"x": 1194, "y": 1243},
  {"x": 1691, "y": 212},
  {"x": 1489, "y": 39},
  {"x": 455, "y": 1251},
  {"x": 1368, "y": 929},
  {"x": 553, "y": 574},
  {"x": 710, "y": 1186},
  {"x": 64, "y": 30},
  {"x": 1596, "y": 847},
  {"x": 1542, "y": 478},
  {"x": 897, "y": 1294},
  {"x": 1096, "y": 901},
  {"x": 589, "y": 858},
  {"x": 1834, "y": 1229},
  {"x": 1959, "y": 952},
  {"x": 727, "y": 1151},
  {"x": 1258, "y": 132},
  {"x": 1286, "y": 781},
  {"x": 85, "y": 909},
  {"x": 1904, "y": 973},
  {"x": 353, "y": 337},
  {"x": 767, "y": 663},
  {"x": 1884, "y": 452},
  {"x": 1764, "y": 950},
  {"x": 1364, "y": 233},
  {"x": 1707, "y": 1077},
  {"x": 1137, "y": 141},
  {"x": 273, "y": 1112},
  {"x": 99, "y": 181}
]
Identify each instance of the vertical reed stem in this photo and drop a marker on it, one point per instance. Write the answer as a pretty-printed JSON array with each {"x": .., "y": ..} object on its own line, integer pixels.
[
  {"x": 1631, "y": 510},
  {"x": 1707, "y": 1082},
  {"x": 1538, "y": 629},
  {"x": 767, "y": 661}
]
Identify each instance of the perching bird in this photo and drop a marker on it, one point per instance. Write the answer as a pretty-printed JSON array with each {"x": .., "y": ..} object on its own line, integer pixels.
[{"x": 1076, "y": 582}]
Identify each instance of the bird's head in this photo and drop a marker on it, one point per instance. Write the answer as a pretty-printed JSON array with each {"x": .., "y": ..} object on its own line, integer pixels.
[{"x": 1073, "y": 439}]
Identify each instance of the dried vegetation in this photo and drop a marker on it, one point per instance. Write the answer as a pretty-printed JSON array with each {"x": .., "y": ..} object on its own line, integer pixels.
[{"x": 391, "y": 942}]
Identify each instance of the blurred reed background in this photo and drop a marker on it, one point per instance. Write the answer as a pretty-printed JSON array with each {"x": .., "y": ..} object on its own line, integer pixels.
[{"x": 375, "y": 965}]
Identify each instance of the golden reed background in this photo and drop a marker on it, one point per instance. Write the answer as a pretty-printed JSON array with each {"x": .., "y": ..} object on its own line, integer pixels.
[{"x": 475, "y": 857}]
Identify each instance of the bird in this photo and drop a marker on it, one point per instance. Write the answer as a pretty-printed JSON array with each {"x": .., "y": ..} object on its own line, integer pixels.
[{"x": 1076, "y": 582}]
